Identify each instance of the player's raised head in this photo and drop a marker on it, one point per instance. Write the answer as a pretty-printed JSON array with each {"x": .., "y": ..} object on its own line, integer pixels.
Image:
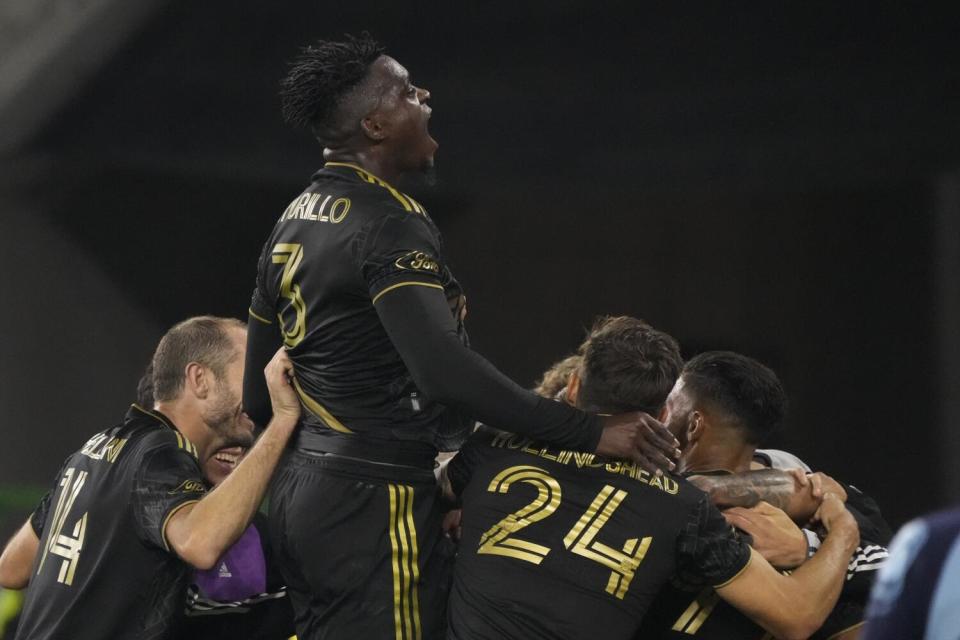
[
  {"x": 626, "y": 365},
  {"x": 353, "y": 97},
  {"x": 211, "y": 342},
  {"x": 734, "y": 390}
]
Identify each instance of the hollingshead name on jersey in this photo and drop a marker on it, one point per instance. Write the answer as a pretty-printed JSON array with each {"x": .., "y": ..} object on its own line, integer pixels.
[{"x": 585, "y": 460}]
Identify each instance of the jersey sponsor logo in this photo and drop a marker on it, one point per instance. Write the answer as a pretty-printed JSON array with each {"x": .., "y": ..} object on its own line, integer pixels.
[
  {"x": 418, "y": 261},
  {"x": 224, "y": 571},
  {"x": 317, "y": 207},
  {"x": 103, "y": 446},
  {"x": 189, "y": 486}
]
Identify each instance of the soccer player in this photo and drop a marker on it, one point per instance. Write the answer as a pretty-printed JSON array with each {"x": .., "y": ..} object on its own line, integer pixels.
[
  {"x": 917, "y": 591},
  {"x": 355, "y": 283},
  {"x": 722, "y": 407},
  {"x": 129, "y": 513},
  {"x": 243, "y": 595},
  {"x": 558, "y": 544}
]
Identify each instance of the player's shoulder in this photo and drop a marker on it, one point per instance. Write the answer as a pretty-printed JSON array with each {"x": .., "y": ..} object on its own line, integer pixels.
[
  {"x": 365, "y": 190},
  {"x": 150, "y": 431}
]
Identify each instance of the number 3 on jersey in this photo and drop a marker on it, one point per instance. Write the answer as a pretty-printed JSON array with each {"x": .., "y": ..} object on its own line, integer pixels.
[
  {"x": 290, "y": 255},
  {"x": 581, "y": 539}
]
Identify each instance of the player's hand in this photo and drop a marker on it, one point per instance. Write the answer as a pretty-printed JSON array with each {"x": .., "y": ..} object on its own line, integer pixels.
[
  {"x": 774, "y": 534},
  {"x": 821, "y": 483},
  {"x": 283, "y": 397},
  {"x": 809, "y": 491},
  {"x": 835, "y": 518},
  {"x": 639, "y": 437},
  {"x": 451, "y": 524}
]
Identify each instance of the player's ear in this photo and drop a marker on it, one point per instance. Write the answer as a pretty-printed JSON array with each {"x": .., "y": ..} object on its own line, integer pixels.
[
  {"x": 374, "y": 127},
  {"x": 197, "y": 380},
  {"x": 573, "y": 388},
  {"x": 695, "y": 426}
]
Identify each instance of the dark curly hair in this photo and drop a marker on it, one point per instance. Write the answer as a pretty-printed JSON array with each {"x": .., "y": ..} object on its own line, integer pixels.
[
  {"x": 747, "y": 392},
  {"x": 319, "y": 79},
  {"x": 627, "y": 365}
]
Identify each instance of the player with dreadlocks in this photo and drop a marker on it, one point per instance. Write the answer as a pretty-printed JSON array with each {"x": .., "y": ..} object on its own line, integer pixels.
[{"x": 354, "y": 281}]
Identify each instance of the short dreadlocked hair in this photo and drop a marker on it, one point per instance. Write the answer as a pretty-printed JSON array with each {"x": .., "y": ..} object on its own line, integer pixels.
[{"x": 319, "y": 80}]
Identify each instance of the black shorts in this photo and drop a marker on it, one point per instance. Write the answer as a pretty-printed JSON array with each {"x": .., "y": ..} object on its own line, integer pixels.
[{"x": 361, "y": 548}]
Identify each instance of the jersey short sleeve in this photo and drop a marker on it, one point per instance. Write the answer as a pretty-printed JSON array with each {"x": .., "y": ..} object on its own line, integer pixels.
[
  {"x": 400, "y": 251},
  {"x": 709, "y": 551},
  {"x": 38, "y": 519},
  {"x": 169, "y": 478}
]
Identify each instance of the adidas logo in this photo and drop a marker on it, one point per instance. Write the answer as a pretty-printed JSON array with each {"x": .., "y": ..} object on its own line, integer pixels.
[{"x": 224, "y": 572}]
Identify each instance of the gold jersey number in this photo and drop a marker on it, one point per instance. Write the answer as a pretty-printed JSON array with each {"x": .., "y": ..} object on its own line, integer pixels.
[
  {"x": 61, "y": 543},
  {"x": 582, "y": 539},
  {"x": 290, "y": 255}
]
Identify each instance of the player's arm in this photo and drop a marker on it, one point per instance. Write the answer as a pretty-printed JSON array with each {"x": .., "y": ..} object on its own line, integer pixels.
[
  {"x": 795, "y": 605},
  {"x": 417, "y": 318},
  {"x": 16, "y": 561},
  {"x": 263, "y": 340},
  {"x": 202, "y": 531},
  {"x": 792, "y": 491},
  {"x": 17, "y": 558}
]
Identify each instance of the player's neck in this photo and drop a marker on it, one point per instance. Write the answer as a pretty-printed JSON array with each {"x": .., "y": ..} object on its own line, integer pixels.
[
  {"x": 189, "y": 422},
  {"x": 713, "y": 455}
]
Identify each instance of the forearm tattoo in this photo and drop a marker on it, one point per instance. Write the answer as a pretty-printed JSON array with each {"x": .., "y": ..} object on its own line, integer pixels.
[{"x": 748, "y": 488}]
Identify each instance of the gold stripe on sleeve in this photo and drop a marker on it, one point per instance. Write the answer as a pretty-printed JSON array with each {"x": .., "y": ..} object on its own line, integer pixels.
[
  {"x": 166, "y": 521},
  {"x": 405, "y": 284},
  {"x": 260, "y": 318},
  {"x": 737, "y": 574}
]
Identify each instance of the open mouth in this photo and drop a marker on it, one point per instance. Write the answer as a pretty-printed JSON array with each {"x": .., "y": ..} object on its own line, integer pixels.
[{"x": 229, "y": 457}]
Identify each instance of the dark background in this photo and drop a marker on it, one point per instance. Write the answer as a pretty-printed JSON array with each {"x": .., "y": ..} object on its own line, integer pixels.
[{"x": 773, "y": 180}]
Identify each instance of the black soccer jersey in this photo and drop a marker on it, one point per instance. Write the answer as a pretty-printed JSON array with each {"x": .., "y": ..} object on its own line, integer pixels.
[
  {"x": 104, "y": 569},
  {"x": 681, "y": 611},
  {"x": 558, "y": 544},
  {"x": 347, "y": 240}
]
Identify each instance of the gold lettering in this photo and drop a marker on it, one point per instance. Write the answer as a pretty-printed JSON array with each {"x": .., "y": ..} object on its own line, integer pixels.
[
  {"x": 114, "y": 447},
  {"x": 323, "y": 205},
  {"x": 297, "y": 210},
  {"x": 655, "y": 482},
  {"x": 545, "y": 453},
  {"x": 335, "y": 216},
  {"x": 101, "y": 445},
  {"x": 308, "y": 210},
  {"x": 582, "y": 459},
  {"x": 528, "y": 449},
  {"x": 670, "y": 485}
]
